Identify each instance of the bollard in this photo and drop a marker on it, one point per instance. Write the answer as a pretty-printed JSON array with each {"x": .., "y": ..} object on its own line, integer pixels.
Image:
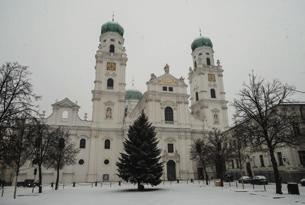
[
  {"x": 236, "y": 185},
  {"x": 96, "y": 183},
  {"x": 73, "y": 184},
  {"x": 264, "y": 187},
  {"x": 253, "y": 185},
  {"x": 119, "y": 183},
  {"x": 192, "y": 181},
  {"x": 177, "y": 181},
  {"x": 52, "y": 185}
]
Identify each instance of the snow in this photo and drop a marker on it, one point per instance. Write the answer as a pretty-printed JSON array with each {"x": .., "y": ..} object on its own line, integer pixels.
[{"x": 168, "y": 194}]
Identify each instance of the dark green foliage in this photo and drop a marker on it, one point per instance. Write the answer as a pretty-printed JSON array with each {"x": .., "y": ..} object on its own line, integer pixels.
[{"x": 140, "y": 162}]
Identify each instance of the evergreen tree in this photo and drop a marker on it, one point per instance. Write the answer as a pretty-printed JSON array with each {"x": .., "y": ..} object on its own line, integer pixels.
[{"x": 140, "y": 163}]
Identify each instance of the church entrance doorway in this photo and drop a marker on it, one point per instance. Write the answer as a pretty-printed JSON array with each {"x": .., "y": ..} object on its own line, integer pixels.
[{"x": 171, "y": 170}]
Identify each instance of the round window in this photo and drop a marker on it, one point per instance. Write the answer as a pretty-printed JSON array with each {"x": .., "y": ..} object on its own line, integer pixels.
[
  {"x": 81, "y": 161},
  {"x": 106, "y": 161}
]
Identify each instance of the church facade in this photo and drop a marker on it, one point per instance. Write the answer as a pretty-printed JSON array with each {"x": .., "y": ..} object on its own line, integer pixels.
[{"x": 179, "y": 116}]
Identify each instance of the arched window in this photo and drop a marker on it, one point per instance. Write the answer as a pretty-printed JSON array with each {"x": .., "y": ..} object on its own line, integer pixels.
[
  {"x": 107, "y": 144},
  {"x": 110, "y": 83},
  {"x": 208, "y": 61},
  {"x": 111, "y": 48},
  {"x": 197, "y": 96},
  {"x": 213, "y": 94},
  {"x": 169, "y": 114},
  {"x": 82, "y": 144}
]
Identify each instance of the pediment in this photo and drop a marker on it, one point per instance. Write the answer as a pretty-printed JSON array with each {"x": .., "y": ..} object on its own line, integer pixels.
[
  {"x": 66, "y": 102},
  {"x": 167, "y": 79}
]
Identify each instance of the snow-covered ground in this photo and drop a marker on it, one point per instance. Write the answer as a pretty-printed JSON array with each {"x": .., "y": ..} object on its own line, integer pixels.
[{"x": 168, "y": 193}]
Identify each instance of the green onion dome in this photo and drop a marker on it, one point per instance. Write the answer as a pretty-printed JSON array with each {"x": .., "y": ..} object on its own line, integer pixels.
[
  {"x": 133, "y": 95},
  {"x": 112, "y": 26},
  {"x": 201, "y": 41}
]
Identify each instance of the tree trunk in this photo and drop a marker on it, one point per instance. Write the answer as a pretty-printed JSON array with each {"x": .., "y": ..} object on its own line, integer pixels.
[
  {"x": 39, "y": 178},
  {"x": 16, "y": 179},
  {"x": 276, "y": 173},
  {"x": 205, "y": 173},
  {"x": 57, "y": 176}
]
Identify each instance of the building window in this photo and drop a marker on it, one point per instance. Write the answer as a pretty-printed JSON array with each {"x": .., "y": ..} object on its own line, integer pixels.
[
  {"x": 196, "y": 96},
  {"x": 195, "y": 64},
  {"x": 111, "y": 48},
  {"x": 200, "y": 54},
  {"x": 108, "y": 113},
  {"x": 237, "y": 164},
  {"x": 65, "y": 114},
  {"x": 107, "y": 144},
  {"x": 170, "y": 148},
  {"x": 110, "y": 83},
  {"x": 208, "y": 61},
  {"x": 81, "y": 162},
  {"x": 82, "y": 144},
  {"x": 261, "y": 158},
  {"x": 106, "y": 161},
  {"x": 213, "y": 94},
  {"x": 302, "y": 157},
  {"x": 170, "y": 89},
  {"x": 105, "y": 177},
  {"x": 169, "y": 114},
  {"x": 164, "y": 88},
  {"x": 280, "y": 158}
]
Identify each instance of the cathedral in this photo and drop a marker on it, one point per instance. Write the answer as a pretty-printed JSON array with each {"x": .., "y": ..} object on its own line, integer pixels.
[{"x": 180, "y": 116}]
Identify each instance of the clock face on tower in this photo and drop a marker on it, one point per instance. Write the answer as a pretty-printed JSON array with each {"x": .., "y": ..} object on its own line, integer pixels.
[{"x": 111, "y": 66}]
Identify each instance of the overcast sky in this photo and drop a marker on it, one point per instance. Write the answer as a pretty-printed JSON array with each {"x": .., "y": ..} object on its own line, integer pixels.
[{"x": 58, "y": 41}]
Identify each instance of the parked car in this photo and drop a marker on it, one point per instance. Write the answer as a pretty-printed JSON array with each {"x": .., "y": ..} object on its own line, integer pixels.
[
  {"x": 302, "y": 182},
  {"x": 27, "y": 183},
  {"x": 260, "y": 180},
  {"x": 244, "y": 179},
  {"x": 228, "y": 178}
]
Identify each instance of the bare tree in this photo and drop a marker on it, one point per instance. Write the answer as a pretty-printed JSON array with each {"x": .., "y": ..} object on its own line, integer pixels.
[
  {"x": 219, "y": 151},
  {"x": 265, "y": 125},
  {"x": 16, "y": 100},
  {"x": 16, "y": 93},
  {"x": 239, "y": 146},
  {"x": 41, "y": 141},
  {"x": 18, "y": 148},
  {"x": 200, "y": 153},
  {"x": 63, "y": 151}
]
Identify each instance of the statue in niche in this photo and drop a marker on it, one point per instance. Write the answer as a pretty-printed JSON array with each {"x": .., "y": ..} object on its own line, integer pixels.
[{"x": 108, "y": 113}]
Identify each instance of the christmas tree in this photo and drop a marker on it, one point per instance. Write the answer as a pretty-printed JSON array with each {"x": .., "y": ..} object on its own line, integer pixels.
[{"x": 140, "y": 162}]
